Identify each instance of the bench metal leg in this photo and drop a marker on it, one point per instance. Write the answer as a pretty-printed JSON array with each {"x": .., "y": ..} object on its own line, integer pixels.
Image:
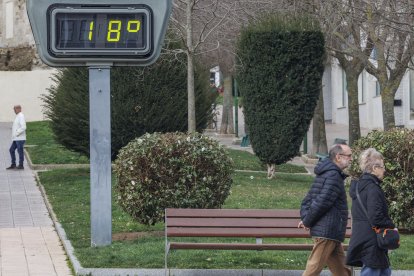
[{"x": 167, "y": 249}]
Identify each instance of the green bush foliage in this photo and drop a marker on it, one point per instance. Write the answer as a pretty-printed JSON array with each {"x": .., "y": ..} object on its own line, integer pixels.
[
  {"x": 143, "y": 100},
  {"x": 280, "y": 76},
  {"x": 179, "y": 170},
  {"x": 396, "y": 146}
]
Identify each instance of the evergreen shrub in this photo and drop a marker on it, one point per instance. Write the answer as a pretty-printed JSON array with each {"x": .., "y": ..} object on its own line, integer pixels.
[
  {"x": 178, "y": 170},
  {"x": 281, "y": 63},
  {"x": 143, "y": 100},
  {"x": 396, "y": 145}
]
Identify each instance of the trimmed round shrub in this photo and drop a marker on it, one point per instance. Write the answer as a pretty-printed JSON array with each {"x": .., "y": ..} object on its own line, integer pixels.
[
  {"x": 396, "y": 145},
  {"x": 171, "y": 170}
]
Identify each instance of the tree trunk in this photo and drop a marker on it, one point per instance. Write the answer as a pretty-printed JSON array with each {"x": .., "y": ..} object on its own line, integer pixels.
[
  {"x": 387, "y": 99},
  {"x": 191, "y": 97},
  {"x": 319, "y": 144},
  {"x": 190, "y": 68},
  {"x": 271, "y": 170},
  {"x": 227, "y": 124},
  {"x": 353, "y": 107}
]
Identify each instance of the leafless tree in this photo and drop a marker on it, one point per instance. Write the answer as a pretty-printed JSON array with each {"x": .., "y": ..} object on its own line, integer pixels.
[
  {"x": 346, "y": 40},
  {"x": 355, "y": 29},
  {"x": 390, "y": 28},
  {"x": 194, "y": 21},
  {"x": 209, "y": 30}
]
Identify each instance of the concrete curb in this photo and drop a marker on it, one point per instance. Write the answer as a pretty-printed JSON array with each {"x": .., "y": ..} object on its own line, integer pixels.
[{"x": 43, "y": 167}]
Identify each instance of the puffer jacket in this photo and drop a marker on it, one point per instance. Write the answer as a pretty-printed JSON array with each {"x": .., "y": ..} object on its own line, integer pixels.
[
  {"x": 324, "y": 209},
  {"x": 363, "y": 248}
]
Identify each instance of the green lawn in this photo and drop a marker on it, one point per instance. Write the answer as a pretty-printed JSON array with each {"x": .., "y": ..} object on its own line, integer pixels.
[
  {"x": 68, "y": 192},
  {"x": 47, "y": 151},
  {"x": 43, "y": 148}
]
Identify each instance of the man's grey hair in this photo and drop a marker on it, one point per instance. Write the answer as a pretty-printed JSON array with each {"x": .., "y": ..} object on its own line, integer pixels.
[
  {"x": 370, "y": 158},
  {"x": 335, "y": 149}
]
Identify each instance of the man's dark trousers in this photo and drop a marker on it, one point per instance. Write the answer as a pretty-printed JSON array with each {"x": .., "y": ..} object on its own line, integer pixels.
[{"x": 19, "y": 146}]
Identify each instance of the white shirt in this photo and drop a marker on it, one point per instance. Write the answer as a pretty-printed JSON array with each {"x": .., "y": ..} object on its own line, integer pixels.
[{"x": 19, "y": 128}]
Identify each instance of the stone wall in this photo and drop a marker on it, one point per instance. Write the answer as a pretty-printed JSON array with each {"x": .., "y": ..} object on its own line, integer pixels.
[
  {"x": 22, "y": 33},
  {"x": 17, "y": 52},
  {"x": 16, "y": 59}
]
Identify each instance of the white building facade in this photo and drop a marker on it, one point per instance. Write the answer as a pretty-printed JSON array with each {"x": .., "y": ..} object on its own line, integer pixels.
[{"x": 369, "y": 98}]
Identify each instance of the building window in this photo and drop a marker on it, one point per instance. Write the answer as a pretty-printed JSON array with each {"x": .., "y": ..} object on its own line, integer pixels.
[
  {"x": 377, "y": 89},
  {"x": 374, "y": 54},
  {"x": 411, "y": 95},
  {"x": 9, "y": 19},
  {"x": 344, "y": 89},
  {"x": 361, "y": 88}
]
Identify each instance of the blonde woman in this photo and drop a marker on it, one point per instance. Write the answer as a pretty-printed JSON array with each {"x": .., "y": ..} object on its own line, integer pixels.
[{"x": 363, "y": 249}]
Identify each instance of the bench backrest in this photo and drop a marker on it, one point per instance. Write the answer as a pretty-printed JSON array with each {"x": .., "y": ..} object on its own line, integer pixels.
[{"x": 259, "y": 223}]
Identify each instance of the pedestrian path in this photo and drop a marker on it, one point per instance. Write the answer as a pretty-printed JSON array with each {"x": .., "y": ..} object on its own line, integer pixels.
[{"x": 29, "y": 244}]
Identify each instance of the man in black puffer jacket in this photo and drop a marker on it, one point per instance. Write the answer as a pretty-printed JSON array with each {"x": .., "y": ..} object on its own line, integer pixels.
[{"x": 324, "y": 211}]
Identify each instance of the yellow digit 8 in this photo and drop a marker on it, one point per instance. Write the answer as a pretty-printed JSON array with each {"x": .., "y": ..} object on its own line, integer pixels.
[
  {"x": 135, "y": 28},
  {"x": 112, "y": 30}
]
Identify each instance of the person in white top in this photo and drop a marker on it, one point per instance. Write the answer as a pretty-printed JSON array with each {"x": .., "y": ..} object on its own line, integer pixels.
[{"x": 18, "y": 138}]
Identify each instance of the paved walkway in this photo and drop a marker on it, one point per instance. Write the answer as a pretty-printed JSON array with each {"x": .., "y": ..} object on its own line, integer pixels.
[{"x": 29, "y": 244}]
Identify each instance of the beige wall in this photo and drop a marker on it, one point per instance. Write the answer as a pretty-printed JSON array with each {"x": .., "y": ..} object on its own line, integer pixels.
[{"x": 24, "y": 88}]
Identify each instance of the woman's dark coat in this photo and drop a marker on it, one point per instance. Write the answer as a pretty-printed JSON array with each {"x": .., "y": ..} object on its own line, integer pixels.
[
  {"x": 324, "y": 209},
  {"x": 363, "y": 247}
]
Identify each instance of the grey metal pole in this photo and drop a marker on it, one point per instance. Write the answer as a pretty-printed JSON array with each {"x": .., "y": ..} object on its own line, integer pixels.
[
  {"x": 236, "y": 106},
  {"x": 100, "y": 155}
]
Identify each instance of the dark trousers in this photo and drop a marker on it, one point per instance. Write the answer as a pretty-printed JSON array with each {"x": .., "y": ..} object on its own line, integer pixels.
[{"x": 19, "y": 146}]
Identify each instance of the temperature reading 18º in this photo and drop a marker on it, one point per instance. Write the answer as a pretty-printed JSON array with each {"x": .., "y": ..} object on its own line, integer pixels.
[{"x": 100, "y": 31}]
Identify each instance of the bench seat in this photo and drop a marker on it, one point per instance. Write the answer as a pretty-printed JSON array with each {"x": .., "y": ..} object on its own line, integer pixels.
[{"x": 236, "y": 223}]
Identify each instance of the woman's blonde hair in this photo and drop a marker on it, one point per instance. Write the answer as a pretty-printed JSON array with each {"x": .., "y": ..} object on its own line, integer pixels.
[{"x": 368, "y": 159}]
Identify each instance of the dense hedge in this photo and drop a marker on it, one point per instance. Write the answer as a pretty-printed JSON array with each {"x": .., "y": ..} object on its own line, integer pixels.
[
  {"x": 143, "y": 99},
  {"x": 396, "y": 145},
  {"x": 280, "y": 76},
  {"x": 177, "y": 170}
]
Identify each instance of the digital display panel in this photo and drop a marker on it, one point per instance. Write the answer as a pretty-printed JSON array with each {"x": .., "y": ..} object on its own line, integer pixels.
[{"x": 100, "y": 31}]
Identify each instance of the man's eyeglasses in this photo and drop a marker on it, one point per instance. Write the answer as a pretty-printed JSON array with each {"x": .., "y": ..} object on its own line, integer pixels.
[{"x": 347, "y": 155}]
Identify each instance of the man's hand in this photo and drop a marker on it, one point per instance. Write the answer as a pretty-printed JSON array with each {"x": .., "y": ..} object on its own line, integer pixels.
[{"x": 301, "y": 225}]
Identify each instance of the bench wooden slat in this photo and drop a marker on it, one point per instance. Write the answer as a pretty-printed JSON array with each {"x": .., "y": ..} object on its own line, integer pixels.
[
  {"x": 228, "y": 213},
  {"x": 234, "y": 222},
  {"x": 238, "y": 232},
  {"x": 242, "y": 246}
]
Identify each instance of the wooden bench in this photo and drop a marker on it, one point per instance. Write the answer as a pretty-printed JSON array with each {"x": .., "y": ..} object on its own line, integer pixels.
[{"x": 236, "y": 223}]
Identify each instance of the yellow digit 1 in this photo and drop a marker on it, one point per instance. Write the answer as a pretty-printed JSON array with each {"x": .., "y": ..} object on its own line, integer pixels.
[
  {"x": 136, "y": 26},
  {"x": 112, "y": 30},
  {"x": 90, "y": 30}
]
